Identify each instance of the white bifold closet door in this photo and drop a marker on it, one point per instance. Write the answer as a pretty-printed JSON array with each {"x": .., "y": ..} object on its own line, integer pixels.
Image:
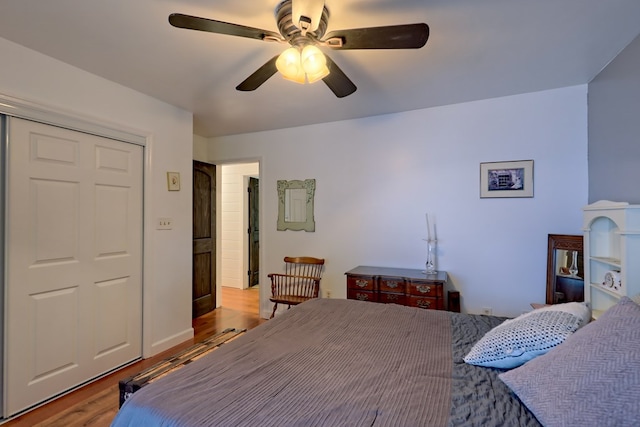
[{"x": 74, "y": 260}]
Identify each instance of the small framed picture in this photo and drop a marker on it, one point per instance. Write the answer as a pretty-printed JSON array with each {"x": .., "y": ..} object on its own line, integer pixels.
[
  {"x": 506, "y": 179},
  {"x": 173, "y": 181}
]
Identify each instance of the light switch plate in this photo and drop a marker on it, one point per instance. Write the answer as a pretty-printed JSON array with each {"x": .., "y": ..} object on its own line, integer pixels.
[{"x": 164, "y": 224}]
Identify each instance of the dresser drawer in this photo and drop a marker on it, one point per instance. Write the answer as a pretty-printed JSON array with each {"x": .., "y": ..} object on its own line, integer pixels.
[
  {"x": 426, "y": 302},
  {"x": 362, "y": 283},
  {"x": 362, "y": 295},
  {"x": 391, "y": 298},
  {"x": 392, "y": 284},
  {"x": 426, "y": 289}
]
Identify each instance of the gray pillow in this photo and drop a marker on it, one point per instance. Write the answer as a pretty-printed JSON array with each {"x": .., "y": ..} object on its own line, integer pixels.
[{"x": 593, "y": 378}]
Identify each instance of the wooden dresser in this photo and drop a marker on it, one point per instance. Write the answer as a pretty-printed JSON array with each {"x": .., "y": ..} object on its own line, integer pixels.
[{"x": 402, "y": 286}]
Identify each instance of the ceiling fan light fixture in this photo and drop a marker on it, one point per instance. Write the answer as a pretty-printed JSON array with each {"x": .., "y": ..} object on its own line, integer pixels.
[
  {"x": 312, "y": 59},
  {"x": 310, "y": 65},
  {"x": 321, "y": 74},
  {"x": 289, "y": 66},
  {"x": 314, "y": 63}
]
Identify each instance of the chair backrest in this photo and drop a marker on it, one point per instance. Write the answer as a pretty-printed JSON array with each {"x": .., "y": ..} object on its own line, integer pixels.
[
  {"x": 303, "y": 266},
  {"x": 301, "y": 278}
]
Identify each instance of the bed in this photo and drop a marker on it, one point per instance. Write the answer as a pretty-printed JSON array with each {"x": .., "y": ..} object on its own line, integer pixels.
[{"x": 342, "y": 363}]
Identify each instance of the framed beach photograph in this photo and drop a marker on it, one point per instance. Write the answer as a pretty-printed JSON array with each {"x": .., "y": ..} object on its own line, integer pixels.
[
  {"x": 173, "y": 181},
  {"x": 506, "y": 179}
]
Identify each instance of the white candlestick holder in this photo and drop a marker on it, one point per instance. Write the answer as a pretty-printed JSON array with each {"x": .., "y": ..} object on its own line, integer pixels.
[{"x": 430, "y": 264}]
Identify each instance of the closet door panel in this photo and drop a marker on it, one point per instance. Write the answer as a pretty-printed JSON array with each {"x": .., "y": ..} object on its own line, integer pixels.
[{"x": 74, "y": 260}]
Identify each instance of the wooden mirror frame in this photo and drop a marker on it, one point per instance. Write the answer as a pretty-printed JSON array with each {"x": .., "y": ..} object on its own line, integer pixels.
[
  {"x": 309, "y": 185},
  {"x": 562, "y": 242}
]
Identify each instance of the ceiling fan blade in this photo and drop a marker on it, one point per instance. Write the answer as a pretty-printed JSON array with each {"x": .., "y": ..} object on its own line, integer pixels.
[
  {"x": 338, "y": 81},
  {"x": 210, "y": 25},
  {"x": 261, "y": 75},
  {"x": 409, "y": 36}
]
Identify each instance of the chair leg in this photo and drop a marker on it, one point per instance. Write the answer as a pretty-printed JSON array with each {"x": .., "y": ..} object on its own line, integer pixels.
[{"x": 275, "y": 305}]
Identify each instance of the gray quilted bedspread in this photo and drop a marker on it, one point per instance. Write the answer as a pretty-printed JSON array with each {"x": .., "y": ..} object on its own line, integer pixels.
[
  {"x": 337, "y": 363},
  {"x": 479, "y": 397}
]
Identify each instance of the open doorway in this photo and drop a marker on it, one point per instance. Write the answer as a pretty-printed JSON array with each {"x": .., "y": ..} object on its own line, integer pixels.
[{"x": 239, "y": 240}]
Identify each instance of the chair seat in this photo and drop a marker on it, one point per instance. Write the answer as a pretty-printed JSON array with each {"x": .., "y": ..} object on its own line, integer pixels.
[{"x": 289, "y": 299}]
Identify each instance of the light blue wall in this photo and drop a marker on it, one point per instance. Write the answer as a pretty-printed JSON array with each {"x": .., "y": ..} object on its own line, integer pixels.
[
  {"x": 614, "y": 129},
  {"x": 377, "y": 177}
]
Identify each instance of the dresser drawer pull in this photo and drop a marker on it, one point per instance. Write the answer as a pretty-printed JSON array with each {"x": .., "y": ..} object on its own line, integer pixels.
[
  {"x": 424, "y": 289},
  {"x": 362, "y": 297},
  {"x": 423, "y": 303},
  {"x": 392, "y": 297},
  {"x": 392, "y": 284},
  {"x": 361, "y": 283}
]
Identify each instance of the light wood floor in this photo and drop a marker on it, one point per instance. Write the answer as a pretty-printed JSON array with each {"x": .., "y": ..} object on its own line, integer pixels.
[{"x": 96, "y": 404}]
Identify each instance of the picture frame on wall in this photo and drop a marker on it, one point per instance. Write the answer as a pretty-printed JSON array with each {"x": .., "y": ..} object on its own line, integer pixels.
[
  {"x": 506, "y": 179},
  {"x": 173, "y": 181}
]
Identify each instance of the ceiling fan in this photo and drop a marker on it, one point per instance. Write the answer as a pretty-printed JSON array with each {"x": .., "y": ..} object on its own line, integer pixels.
[{"x": 302, "y": 24}]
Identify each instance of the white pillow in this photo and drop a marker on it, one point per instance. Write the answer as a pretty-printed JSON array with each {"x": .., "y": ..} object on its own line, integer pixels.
[{"x": 519, "y": 340}]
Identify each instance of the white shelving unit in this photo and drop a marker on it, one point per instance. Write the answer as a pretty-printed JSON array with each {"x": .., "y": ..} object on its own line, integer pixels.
[{"x": 611, "y": 243}]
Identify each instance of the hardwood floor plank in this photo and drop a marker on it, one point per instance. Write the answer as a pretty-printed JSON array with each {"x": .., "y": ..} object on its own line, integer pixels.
[{"x": 95, "y": 404}]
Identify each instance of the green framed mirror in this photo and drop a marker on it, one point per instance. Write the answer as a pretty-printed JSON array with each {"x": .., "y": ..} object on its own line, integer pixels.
[{"x": 295, "y": 205}]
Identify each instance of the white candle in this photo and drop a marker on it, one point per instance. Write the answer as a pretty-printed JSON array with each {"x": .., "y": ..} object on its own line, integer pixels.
[
  {"x": 428, "y": 228},
  {"x": 435, "y": 234}
]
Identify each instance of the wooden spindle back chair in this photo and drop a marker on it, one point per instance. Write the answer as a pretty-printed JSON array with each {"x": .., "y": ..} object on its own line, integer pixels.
[{"x": 299, "y": 283}]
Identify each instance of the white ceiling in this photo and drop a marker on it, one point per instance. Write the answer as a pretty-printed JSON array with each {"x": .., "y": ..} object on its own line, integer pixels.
[{"x": 477, "y": 49}]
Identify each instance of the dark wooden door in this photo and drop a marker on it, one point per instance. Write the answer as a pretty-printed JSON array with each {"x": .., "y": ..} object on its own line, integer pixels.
[
  {"x": 204, "y": 238},
  {"x": 254, "y": 228}
]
